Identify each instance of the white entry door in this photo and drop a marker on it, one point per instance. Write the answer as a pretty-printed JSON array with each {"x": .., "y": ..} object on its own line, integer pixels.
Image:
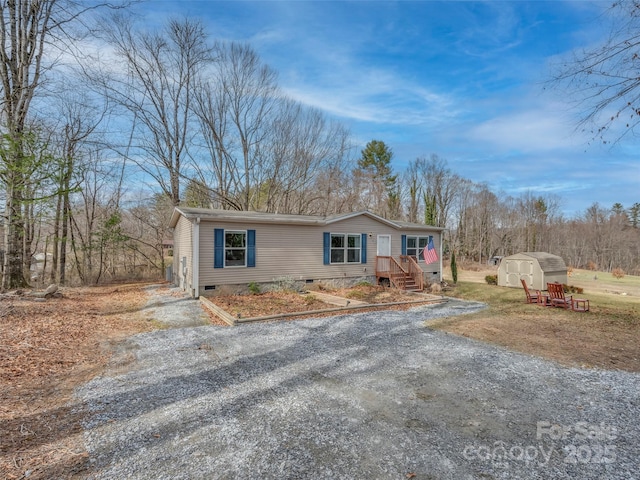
[{"x": 384, "y": 245}]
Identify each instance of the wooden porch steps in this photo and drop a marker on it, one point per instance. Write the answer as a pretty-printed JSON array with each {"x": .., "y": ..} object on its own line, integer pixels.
[
  {"x": 406, "y": 282},
  {"x": 402, "y": 272},
  {"x": 411, "y": 286}
]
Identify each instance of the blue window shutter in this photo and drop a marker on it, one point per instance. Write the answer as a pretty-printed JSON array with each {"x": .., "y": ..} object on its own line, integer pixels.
[
  {"x": 363, "y": 251},
  {"x": 326, "y": 244},
  {"x": 403, "y": 240},
  {"x": 218, "y": 248},
  {"x": 251, "y": 248}
]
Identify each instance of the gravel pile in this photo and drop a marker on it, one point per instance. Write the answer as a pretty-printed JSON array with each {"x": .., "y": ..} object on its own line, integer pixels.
[{"x": 371, "y": 395}]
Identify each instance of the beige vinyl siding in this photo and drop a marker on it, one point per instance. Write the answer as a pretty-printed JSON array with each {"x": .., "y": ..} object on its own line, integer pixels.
[
  {"x": 295, "y": 251},
  {"x": 182, "y": 247}
]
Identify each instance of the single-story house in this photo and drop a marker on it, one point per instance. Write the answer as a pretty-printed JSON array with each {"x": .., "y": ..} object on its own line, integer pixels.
[
  {"x": 536, "y": 268},
  {"x": 214, "y": 248}
]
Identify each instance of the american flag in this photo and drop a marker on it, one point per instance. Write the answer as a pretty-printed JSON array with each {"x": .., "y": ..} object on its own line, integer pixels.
[{"x": 429, "y": 253}]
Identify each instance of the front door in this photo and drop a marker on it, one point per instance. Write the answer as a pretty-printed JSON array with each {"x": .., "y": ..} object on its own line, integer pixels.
[{"x": 384, "y": 245}]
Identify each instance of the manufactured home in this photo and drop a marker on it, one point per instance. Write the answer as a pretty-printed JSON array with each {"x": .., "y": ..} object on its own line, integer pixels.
[{"x": 216, "y": 248}]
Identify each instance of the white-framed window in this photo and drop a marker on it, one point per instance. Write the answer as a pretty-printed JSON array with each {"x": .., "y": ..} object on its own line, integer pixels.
[
  {"x": 416, "y": 245},
  {"x": 235, "y": 248},
  {"x": 346, "y": 247}
]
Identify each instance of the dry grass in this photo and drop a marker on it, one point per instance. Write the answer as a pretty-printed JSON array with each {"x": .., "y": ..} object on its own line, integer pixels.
[{"x": 606, "y": 337}]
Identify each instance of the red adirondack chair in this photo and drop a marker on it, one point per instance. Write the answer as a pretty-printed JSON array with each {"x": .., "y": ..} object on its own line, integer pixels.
[
  {"x": 558, "y": 299},
  {"x": 531, "y": 297}
]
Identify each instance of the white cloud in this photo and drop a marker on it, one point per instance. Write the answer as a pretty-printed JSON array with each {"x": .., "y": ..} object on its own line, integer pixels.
[
  {"x": 540, "y": 130},
  {"x": 374, "y": 95}
]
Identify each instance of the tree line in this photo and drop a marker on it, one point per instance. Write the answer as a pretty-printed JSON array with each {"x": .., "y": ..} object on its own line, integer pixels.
[
  {"x": 106, "y": 126},
  {"x": 482, "y": 224}
]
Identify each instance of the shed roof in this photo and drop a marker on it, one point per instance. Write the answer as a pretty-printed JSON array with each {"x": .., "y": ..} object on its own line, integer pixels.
[
  {"x": 285, "y": 219},
  {"x": 547, "y": 261}
]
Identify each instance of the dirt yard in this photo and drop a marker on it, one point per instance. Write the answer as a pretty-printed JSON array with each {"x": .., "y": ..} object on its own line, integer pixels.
[
  {"x": 274, "y": 303},
  {"x": 50, "y": 346},
  {"x": 47, "y": 348}
]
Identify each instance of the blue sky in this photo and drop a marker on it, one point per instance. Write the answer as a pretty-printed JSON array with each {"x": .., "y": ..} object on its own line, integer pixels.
[{"x": 463, "y": 80}]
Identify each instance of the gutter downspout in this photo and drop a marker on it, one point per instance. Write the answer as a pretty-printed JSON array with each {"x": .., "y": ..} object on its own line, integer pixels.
[
  {"x": 195, "y": 260},
  {"x": 441, "y": 266}
]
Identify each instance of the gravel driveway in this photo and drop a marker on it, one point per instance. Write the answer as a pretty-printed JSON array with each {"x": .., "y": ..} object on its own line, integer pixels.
[{"x": 360, "y": 396}]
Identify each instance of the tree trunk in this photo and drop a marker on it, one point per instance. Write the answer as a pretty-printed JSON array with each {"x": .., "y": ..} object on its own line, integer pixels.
[
  {"x": 56, "y": 240},
  {"x": 66, "y": 213},
  {"x": 13, "y": 276}
]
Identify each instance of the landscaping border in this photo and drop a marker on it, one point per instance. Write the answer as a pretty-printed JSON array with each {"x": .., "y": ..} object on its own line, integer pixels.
[{"x": 348, "y": 306}]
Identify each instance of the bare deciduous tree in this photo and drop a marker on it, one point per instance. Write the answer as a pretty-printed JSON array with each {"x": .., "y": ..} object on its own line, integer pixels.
[
  {"x": 439, "y": 183},
  {"x": 301, "y": 149},
  {"x": 25, "y": 28},
  {"x": 156, "y": 88},
  {"x": 33, "y": 33},
  {"x": 79, "y": 120},
  {"x": 603, "y": 81},
  {"x": 146, "y": 229},
  {"x": 235, "y": 106}
]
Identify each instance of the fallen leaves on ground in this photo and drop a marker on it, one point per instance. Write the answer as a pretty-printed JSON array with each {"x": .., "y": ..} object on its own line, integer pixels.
[
  {"x": 269, "y": 303},
  {"x": 374, "y": 294},
  {"x": 287, "y": 302},
  {"x": 48, "y": 347}
]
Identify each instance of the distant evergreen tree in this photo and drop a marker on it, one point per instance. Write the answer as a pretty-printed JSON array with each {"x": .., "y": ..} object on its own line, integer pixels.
[
  {"x": 634, "y": 214},
  {"x": 375, "y": 162},
  {"x": 376, "y": 157},
  {"x": 454, "y": 267},
  {"x": 617, "y": 208}
]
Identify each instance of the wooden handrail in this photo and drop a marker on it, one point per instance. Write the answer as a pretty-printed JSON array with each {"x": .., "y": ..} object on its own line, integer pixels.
[
  {"x": 414, "y": 270},
  {"x": 382, "y": 266},
  {"x": 397, "y": 270},
  {"x": 396, "y": 274}
]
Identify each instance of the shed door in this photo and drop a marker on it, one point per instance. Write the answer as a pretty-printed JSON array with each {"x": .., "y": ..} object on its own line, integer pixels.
[
  {"x": 520, "y": 269},
  {"x": 384, "y": 246},
  {"x": 513, "y": 273}
]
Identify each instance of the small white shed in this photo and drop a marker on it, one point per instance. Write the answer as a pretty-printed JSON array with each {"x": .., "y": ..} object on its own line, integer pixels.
[{"x": 536, "y": 268}]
